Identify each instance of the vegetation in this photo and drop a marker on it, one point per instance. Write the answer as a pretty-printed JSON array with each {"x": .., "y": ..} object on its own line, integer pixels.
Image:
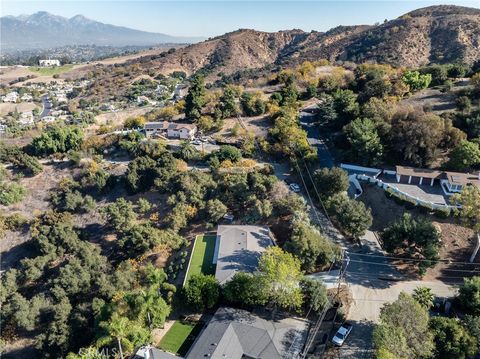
[
  {"x": 353, "y": 217},
  {"x": 57, "y": 139}
]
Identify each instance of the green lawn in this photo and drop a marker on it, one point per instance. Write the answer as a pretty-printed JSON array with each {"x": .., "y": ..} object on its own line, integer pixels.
[
  {"x": 202, "y": 256},
  {"x": 180, "y": 337},
  {"x": 50, "y": 71}
]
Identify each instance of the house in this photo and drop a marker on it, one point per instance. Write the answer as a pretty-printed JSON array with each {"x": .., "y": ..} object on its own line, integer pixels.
[
  {"x": 11, "y": 97},
  {"x": 180, "y": 91},
  {"x": 26, "y": 118},
  {"x": 156, "y": 128},
  {"x": 236, "y": 334},
  {"x": 238, "y": 249},
  {"x": 27, "y": 98},
  {"x": 3, "y": 128},
  {"x": 47, "y": 63},
  {"x": 451, "y": 182},
  {"x": 48, "y": 119},
  {"x": 182, "y": 131},
  {"x": 149, "y": 352},
  {"x": 144, "y": 100}
]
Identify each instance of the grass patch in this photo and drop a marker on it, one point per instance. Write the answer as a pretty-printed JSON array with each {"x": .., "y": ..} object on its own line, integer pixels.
[
  {"x": 180, "y": 337},
  {"x": 202, "y": 256},
  {"x": 50, "y": 71}
]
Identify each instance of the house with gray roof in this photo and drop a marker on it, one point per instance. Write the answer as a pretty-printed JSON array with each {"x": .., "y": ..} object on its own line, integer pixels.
[
  {"x": 236, "y": 334},
  {"x": 238, "y": 249}
]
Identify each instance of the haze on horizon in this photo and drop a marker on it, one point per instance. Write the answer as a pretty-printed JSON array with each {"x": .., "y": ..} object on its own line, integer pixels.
[{"x": 212, "y": 18}]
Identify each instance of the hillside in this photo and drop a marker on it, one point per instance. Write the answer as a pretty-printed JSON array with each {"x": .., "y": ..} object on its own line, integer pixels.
[
  {"x": 44, "y": 30},
  {"x": 437, "y": 34}
]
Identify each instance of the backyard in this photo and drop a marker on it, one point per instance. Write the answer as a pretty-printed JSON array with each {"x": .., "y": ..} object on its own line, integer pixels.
[
  {"x": 180, "y": 337},
  {"x": 201, "y": 260}
]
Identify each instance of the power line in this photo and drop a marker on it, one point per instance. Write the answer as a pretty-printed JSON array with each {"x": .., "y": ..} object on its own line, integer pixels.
[{"x": 411, "y": 259}]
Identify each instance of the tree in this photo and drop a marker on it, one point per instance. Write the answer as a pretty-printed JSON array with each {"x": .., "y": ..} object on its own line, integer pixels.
[
  {"x": 245, "y": 289},
  {"x": 309, "y": 245},
  {"x": 141, "y": 174},
  {"x": 469, "y": 199},
  {"x": 139, "y": 238},
  {"x": 58, "y": 139},
  {"x": 280, "y": 271},
  {"x": 134, "y": 122},
  {"x": 228, "y": 152},
  {"x": 330, "y": 181},
  {"x": 451, "y": 339},
  {"x": 465, "y": 156},
  {"x": 314, "y": 294},
  {"x": 215, "y": 210},
  {"x": 416, "y": 81},
  {"x": 118, "y": 328},
  {"x": 403, "y": 329},
  {"x": 424, "y": 296},
  {"x": 11, "y": 193},
  {"x": 120, "y": 214},
  {"x": 195, "y": 99},
  {"x": 201, "y": 291},
  {"x": 188, "y": 151},
  {"x": 416, "y": 136},
  {"x": 252, "y": 103},
  {"x": 472, "y": 324},
  {"x": 353, "y": 216},
  {"x": 469, "y": 295},
  {"x": 413, "y": 237},
  {"x": 228, "y": 104},
  {"x": 365, "y": 141},
  {"x": 144, "y": 205}
]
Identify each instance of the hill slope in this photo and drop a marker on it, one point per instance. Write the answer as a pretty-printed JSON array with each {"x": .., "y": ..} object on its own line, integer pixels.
[
  {"x": 437, "y": 34},
  {"x": 44, "y": 30}
]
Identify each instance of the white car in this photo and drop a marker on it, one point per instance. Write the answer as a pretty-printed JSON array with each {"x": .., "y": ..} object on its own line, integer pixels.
[
  {"x": 196, "y": 142},
  {"x": 342, "y": 334},
  {"x": 294, "y": 187}
]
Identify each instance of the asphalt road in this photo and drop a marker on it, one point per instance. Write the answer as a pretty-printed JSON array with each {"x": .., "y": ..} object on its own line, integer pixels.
[
  {"x": 47, "y": 106},
  {"x": 315, "y": 139}
]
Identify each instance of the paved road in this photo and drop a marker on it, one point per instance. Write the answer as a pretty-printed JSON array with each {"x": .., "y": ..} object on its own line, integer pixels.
[
  {"x": 47, "y": 106},
  {"x": 371, "y": 277},
  {"x": 314, "y": 138}
]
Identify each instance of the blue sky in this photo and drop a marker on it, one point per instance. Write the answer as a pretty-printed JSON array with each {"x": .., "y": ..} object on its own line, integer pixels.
[{"x": 210, "y": 18}]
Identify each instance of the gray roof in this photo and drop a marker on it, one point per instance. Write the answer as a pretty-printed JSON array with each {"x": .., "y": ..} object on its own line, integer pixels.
[
  {"x": 235, "y": 334},
  {"x": 156, "y": 125},
  {"x": 238, "y": 249}
]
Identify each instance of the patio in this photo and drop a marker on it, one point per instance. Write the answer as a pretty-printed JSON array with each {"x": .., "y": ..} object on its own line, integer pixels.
[{"x": 425, "y": 192}]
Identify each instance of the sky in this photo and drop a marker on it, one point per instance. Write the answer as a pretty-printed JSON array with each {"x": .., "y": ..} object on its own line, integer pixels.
[{"x": 211, "y": 18}]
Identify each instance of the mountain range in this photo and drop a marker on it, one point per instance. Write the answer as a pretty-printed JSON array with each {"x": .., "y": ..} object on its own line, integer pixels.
[
  {"x": 44, "y": 30},
  {"x": 436, "y": 34}
]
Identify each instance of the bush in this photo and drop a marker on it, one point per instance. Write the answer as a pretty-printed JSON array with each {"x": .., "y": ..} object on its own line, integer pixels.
[
  {"x": 201, "y": 292},
  {"x": 442, "y": 212},
  {"x": 11, "y": 193}
]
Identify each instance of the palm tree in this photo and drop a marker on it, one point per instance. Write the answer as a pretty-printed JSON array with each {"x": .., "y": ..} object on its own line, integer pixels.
[
  {"x": 187, "y": 151},
  {"x": 154, "y": 307},
  {"x": 424, "y": 296},
  {"x": 117, "y": 328}
]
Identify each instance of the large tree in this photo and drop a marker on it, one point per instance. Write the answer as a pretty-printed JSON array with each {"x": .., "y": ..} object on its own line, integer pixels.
[
  {"x": 403, "y": 329},
  {"x": 451, "y": 339},
  {"x": 465, "y": 156},
  {"x": 330, "y": 181},
  {"x": 195, "y": 99},
  {"x": 353, "y": 216},
  {"x": 366, "y": 146},
  {"x": 201, "y": 292},
  {"x": 469, "y": 295},
  {"x": 280, "y": 271}
]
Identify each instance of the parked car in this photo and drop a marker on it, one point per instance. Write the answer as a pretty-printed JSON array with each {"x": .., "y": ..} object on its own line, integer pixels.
[
  {"x": 342, "y": 334},
  {"x": 196, "y": 142},
  {"x": 294, "y": 187}
]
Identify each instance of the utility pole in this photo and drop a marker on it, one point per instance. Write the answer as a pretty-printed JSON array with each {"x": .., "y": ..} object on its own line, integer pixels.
[{"x": 313, "y": 332}]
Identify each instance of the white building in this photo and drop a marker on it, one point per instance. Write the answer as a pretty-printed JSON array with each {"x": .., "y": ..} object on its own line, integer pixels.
[
  {"x": 26, "y": 119},
  {"x": 11, "y": 97},
  {"x": 47, "y": 63},
  {"x": 182, "y": 131},
  {"x": 48, "y": 119},
  {"x": 3, "y": 129},
  {"x": 27, "y": 98}
]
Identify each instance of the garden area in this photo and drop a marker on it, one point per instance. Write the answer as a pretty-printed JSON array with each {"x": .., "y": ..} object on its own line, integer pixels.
[
  {"x": 201, "y": 260},
  {"x": 180, "y": 337}
]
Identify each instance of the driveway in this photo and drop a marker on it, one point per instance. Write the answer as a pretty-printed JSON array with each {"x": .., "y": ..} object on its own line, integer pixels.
[{"x": 307, "y": 120}]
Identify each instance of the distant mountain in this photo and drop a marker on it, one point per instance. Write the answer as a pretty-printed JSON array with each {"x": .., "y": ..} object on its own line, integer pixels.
[
  {"x": 436, "y": 34},
  {"x": 44, "y": 30}
]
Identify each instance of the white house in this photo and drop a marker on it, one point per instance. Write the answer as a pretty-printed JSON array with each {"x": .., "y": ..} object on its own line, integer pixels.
[
  {"x": 48, "y": 119},
  {"x": 26, "y": 119},
  {"x": 182, "y": 131},
  {"x": 27, "y": 98},
  {"x": 47, "y": 63},
  {"x": 11, "y": 97},
  {"x": 3, "y": 129}
]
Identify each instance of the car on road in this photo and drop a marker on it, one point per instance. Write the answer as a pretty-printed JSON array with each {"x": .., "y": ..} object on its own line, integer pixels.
[
  {"x": 294, "y": 187},
  {"x": 196, "y": 142},
  {"x": 342, "y": 334}
]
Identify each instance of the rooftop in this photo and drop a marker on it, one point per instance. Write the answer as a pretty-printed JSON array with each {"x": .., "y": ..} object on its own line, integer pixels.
[
  {"x": 235, "y": 334},
  {"x": 452, "y": 177},
  {"x": 238, "y": 249}
]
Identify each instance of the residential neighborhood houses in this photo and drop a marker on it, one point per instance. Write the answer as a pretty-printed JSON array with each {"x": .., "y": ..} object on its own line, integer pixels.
[
  {"x": 49, "y": 62},
  {"x": 170, "y": 130}
]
